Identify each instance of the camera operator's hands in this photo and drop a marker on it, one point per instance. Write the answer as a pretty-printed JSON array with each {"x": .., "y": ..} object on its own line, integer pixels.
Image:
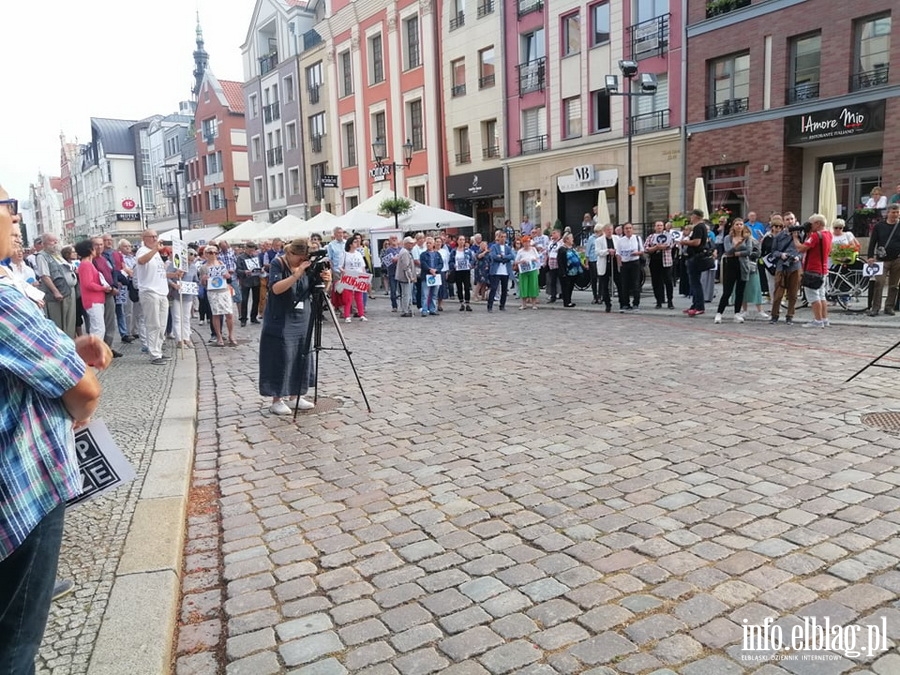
[
  {"x": 325, "y": 276},
  {"x": 301, "y": 269}
]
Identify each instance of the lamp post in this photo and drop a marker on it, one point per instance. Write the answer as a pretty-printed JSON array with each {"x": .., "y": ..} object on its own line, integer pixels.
[
  {"x": 648, "y": 88},
  {"x": 235, "y": 192},
  {"x": 179, "y": 169},
  {"x": 379, "y": 150}
]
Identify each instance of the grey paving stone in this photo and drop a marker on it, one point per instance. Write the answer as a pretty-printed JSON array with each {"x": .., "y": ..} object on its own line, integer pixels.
[
  {"x": 405, "y": 616},
  {"x": 510, "y": 657},
  {"x": 699, "y": 609},
  {"x": 602, "y": 649},
  {"x": 482, "y": 588},
  {"x": 559, "y": 636},
  {"x": 421, "y": 662},
  {"x": 416, "y": 637},
  {"x": 514, "y": 626},
  {"x": 652, "y": 628},
  {"x": 363, "y": 631},
  {"x": 264, "y": 663},
  {"x": 464, "y": 620},
  {"x": 712, "y": 665},
  {"x": 307, "y": 625},
  {"x": 470, "y": 643},
  {"x": 329, "y": 666},
  {"x": 243, "y": 645},
  {"x": 368, "y": 655}
]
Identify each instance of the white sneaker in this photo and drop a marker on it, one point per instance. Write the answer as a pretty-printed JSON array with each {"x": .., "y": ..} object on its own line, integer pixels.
[
  {"x": 362, "y": 318},
  {"x": 739, "y": 318},
  {"x": 718, "y": 319},
  {"x": 280, "y": 408},
  {"x": 303, "y": 404},
  {"x": 347, "y": 320},
  {"x": 764, "y": 315}
]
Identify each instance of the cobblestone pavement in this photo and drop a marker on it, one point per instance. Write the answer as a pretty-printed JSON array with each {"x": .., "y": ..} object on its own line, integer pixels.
[
  {"x": 133, "y": 401},
  {"x": 545, "y": 492}
]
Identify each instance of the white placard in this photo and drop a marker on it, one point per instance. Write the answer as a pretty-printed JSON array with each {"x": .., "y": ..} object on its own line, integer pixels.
[
  {"x": 873, "y": 269},
  {"x": 354, "y": 282},
  {"x": 189, "y": 288},
  {"x": 101, "y": 463},
  {"x": 251, "y": 264},
  {"x": 432, "y": 280},
  {"x": 216, "y": 283},
  {"x": 179, "y": 255},
  {"x": 527, "y": 266}
]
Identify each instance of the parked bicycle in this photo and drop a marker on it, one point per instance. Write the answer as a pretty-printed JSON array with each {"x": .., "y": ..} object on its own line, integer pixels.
[{"x": 845, "y": 286}]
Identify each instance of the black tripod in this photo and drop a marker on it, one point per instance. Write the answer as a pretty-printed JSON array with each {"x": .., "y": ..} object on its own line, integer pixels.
[
  {"x": 319, "y": 303},
  {"x": 874, "y": 362}
]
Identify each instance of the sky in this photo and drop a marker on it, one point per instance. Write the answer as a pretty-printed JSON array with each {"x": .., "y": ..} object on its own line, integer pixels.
[{"x": 65, "y": 62}]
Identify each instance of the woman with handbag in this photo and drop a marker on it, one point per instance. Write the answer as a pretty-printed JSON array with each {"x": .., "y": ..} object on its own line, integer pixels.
[
  {"x": 750, "y": 268},
  {"x": 528, "y": 262},
  {"x": 735, "y": 249},
  {"x": 817, "y": 248}
]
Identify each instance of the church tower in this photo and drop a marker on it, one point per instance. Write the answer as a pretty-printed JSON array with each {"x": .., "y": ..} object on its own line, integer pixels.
[{"x": 201, "y": 61}]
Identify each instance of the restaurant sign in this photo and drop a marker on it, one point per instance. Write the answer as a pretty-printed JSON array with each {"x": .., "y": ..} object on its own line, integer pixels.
[{"x": 834, "y": 123}]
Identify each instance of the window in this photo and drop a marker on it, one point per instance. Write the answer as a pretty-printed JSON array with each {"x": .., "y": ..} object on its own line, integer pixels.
[
  {"x": 806, "y": 55},
  {"x": 258, "y": 195},
  {"x": 346, "y": 74},
  {"x": 411, "y": 33},
  {"x": 655, "y": 197},
  {"x": 729, "y": 87},
  {"x": 316, "y": 173},
  {"x": 486, "y": 67},
  {"x": 726, "y": 187},
  {"x": 272, "y": 187},
  {"x": 651, "y": 113},
  {"x": 458, "y": 73},
  {"x": 255, "y": 153},
  {"x": 376, "y": 59},
  {"x": 289, "y": 87},
  {"x": 463, "y": 154},
  {"x": 352, "y": 202},
  {"x": 417, "y": 192},
  {"x": 457, "y": 14},
  {"x": 280, "y": 183},
  {"x": 651, "y": 9},
  {"x": 572, "y": 117},
  {"x": 294, "y": 181},
  {"x": 349, "y": 144},
  {"x": 379, "y": 129},
  {"x": 254, "y": 106},
  {"x": 314, "y": 76},
  {"x": 530, "y": 201},
  {"x": 210, "y": 129},
  {"x": 416, "y": 129},
  {"x": 291, "y": 131},
  {"x": 571, "y": 34},
  {"x": 490, "y": 139},
  {"x": 872, "y": 52},
  {"x": 317, "y": 125},
  {"x": 600, "y": 111},
  {"x": 213, "y": 163},
  {"x": 534, "y": 130},
  {"x": 600, "y": 24},
  {"x": 533, "y": 47}
]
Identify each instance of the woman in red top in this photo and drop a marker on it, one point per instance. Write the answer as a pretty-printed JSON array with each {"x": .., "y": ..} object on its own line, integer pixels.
[{"x": 93, "y": 292}]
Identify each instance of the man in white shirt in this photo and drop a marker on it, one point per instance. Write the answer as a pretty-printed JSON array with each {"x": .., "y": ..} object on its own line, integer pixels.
[
  {"x": 150, "y": 276},
  {"x": 629, "y": 249},
  {"x": 417, "y": 252}
]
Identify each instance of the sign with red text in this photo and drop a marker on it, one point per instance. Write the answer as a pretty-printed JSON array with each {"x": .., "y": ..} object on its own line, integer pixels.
[{"x": 354, "y": 282}]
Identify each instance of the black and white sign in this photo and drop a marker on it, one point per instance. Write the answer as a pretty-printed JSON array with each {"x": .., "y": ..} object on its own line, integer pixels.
[
  {"x": 328, "y": 180},
  {"x": 850, "y": 120},
  {"x": 874, "y": 269},
  {"x": 129, "y": 217},
  {"x": 380, "y": 171},
  {"x": 100, "y": 462}
]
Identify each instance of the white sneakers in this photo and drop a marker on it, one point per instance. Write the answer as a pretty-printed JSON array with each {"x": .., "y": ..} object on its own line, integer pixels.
[
  {"x": 282, "y": 408},
  {"x": 718, "y": 319},
  {"x": 362, "y": 318},
  {"x": 347, "y": 320},
  {"x": 739, "y": 318},
  {"x": 764, "y": 315}
]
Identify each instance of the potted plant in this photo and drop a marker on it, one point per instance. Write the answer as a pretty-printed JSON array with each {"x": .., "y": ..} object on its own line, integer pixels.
[{"x": 396, "y": 206}]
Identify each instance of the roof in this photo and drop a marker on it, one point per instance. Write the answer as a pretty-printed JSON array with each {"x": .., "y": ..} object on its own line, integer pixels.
[
  {"x": 234, "y": 94},
  {"x": 115, "y": 135}
]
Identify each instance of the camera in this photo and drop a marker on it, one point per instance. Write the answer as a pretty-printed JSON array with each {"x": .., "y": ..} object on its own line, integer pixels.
[
  {"x": 318, "y": 263},
  {"x": 805, "y": 228}
]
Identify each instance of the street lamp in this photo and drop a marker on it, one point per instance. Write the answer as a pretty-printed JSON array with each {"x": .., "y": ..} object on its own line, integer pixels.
[
  {"x": 648, "y": 88},
  {"x": 379, "y": 150},
  {"x": 236, "y": 191},
  {"x": 179, "y": 169}
]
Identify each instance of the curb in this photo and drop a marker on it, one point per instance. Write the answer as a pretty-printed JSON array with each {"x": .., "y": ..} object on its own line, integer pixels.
[{"x": 137, "y": 630}]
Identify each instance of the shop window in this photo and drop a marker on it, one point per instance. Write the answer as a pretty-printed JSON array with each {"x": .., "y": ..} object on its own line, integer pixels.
[
  {"x": 729, "y": 85},
  {"x": 655, "y": 196},
  {"x": 530, "y": 201},
  {"x": 872, "y": 52},
  {"x": 806, "y": 56},
  {"x": 726, "y": 188}
]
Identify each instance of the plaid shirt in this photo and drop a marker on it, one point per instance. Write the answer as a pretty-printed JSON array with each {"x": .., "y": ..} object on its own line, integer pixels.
[
  {"x": 38, "y": 465},
  {"x": 228, "y": 259}
]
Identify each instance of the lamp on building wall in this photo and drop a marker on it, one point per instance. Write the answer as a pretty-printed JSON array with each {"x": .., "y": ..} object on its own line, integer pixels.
[
  {"x": 648, "y": 88},
  {"x": 379, "y": 150}
]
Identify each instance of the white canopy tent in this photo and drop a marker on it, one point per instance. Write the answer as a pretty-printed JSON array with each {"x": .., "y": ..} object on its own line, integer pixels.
[
  {"x": 359, "y": 221},
  {"x": 247, "y": 231},
  {"x": 321, "y": 222},
  {"x": 373, "y": 203},
  {"x": 430, "y": 218},
  {"x": 201, "y": 236},
  {"x": 288, "y": 228}
]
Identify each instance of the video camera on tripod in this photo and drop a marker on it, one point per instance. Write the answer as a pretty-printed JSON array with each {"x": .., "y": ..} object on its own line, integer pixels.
[{"x": 318, "y": 263}]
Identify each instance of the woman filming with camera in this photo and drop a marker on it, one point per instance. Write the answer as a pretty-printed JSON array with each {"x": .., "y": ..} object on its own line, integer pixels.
[{"x": 284, "y": 358}]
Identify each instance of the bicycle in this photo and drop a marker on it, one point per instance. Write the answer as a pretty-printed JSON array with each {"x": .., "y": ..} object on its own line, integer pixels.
[{"x": 845, "y": 285}]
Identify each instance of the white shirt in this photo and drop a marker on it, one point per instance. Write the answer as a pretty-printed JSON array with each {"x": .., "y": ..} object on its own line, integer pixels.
[
  {"x": 417, "y": 252},
  {"x": 880, "y": 204},
  {"x": 151, "y": 276},
  {"x": 629, "y": 248},
  {"x": 445, "y": 257},
  {"x": 354, "y": 263},
  {"x": 846, "y": 239}
]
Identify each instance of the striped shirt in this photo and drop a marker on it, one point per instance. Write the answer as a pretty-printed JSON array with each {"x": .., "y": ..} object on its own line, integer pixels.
[{"x": 38, "y": 465}]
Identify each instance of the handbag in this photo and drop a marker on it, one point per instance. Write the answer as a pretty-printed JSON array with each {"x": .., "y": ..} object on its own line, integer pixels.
[
  {"x": 813, "y": 280},
  {"x": 881, "y": 251}
]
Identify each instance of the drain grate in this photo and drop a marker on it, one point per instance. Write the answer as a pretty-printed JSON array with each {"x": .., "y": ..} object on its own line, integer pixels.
[{"x": 888, "y": 421}]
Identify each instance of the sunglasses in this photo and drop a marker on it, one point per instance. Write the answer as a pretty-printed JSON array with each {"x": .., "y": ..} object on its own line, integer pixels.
[{"x": 12, "y": 205}]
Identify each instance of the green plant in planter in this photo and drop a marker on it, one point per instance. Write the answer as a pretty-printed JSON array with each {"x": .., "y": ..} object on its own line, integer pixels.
[
  {"x": 396, "y": 206},
  {"x": 229, "y": 225}
]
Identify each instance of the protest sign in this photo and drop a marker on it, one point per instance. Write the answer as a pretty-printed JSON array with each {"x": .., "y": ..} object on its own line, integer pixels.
[{"x": 100, "y": 462}]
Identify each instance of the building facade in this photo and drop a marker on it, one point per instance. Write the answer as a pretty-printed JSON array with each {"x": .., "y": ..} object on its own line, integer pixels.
[
  {"x": 166, "y": 136},
  {"x": 778, "y": 88},
  {"x": 68, "y": 173},
  {"x": 47, "y": 200}
]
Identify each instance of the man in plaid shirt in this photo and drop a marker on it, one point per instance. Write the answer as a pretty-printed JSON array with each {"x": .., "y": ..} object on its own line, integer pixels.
[{"x": 659, "y": 245}]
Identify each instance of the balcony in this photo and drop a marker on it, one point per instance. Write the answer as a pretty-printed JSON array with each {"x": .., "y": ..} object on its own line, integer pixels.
[
  {"x": 530, "y": 6},
  {"x": 457, "y": 21},
  {"x": 458, "y": 90},
  {"x": 649, "y": 122},
  {"x": 730, "y": 107},
  {"x": 463, "y": 157},
  {"x": 719, "y": 7},
  {"x": 315, "y": 143},
  {"x": 267, "y": 63},
  {"x": 490, "y": 152},
  {"x": 209, "y": 137},
  {"x": 531, "y": 75},
  {"x": 876, "y": 77},
  {"x": 272, "y": 112},
  {"x": 803, "y": 91},
  {"x": 528, "y": 146},
  {"x": 485, "y": 8},
  {"x": 311, "y": 38},
  {"x": 314, "y": 93},
  {"x": 650, "y": 38},
  {"x": 274, "y": 156},
  {"x": 486, "y": 81}
]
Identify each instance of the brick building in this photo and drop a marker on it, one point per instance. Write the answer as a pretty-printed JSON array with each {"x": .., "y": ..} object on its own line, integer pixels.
[{"x": 778, "y": 87}]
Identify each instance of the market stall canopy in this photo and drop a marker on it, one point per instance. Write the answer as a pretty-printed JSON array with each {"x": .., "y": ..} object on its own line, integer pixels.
[
  {"x": 321, "y": 222},
  {"x": 201, "y": 236},
  {"x": 360, "y": 221},
  {"x": 288, "y": 228},
  {"x": 247, "y": 231},
  {"x": 373, "y": 203},
  {"x": 430, "y": 217}
]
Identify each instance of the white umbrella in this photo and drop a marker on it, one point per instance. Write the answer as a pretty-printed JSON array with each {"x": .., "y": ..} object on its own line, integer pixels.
[
  {"x": 828, "y": 194},
  {"x": 700, "y": 197},
  {"x": 603, "y": 209}
]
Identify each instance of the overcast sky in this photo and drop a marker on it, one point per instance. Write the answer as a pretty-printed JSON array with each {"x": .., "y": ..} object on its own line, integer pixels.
[{"x": 64, "y": 62}]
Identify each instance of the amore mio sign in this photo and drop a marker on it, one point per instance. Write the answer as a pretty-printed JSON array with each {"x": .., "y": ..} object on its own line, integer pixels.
[{"x": 850, "y": 120}]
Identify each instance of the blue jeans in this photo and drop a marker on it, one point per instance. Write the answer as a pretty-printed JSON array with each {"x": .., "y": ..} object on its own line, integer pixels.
[
  {"x": 694, "y": 272},
  {"x": 27, "y": 578},
  {"x": 395, "y": 291},
  {"x": 120, "y": 320},
  {"x": 429, "y": 298}
]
